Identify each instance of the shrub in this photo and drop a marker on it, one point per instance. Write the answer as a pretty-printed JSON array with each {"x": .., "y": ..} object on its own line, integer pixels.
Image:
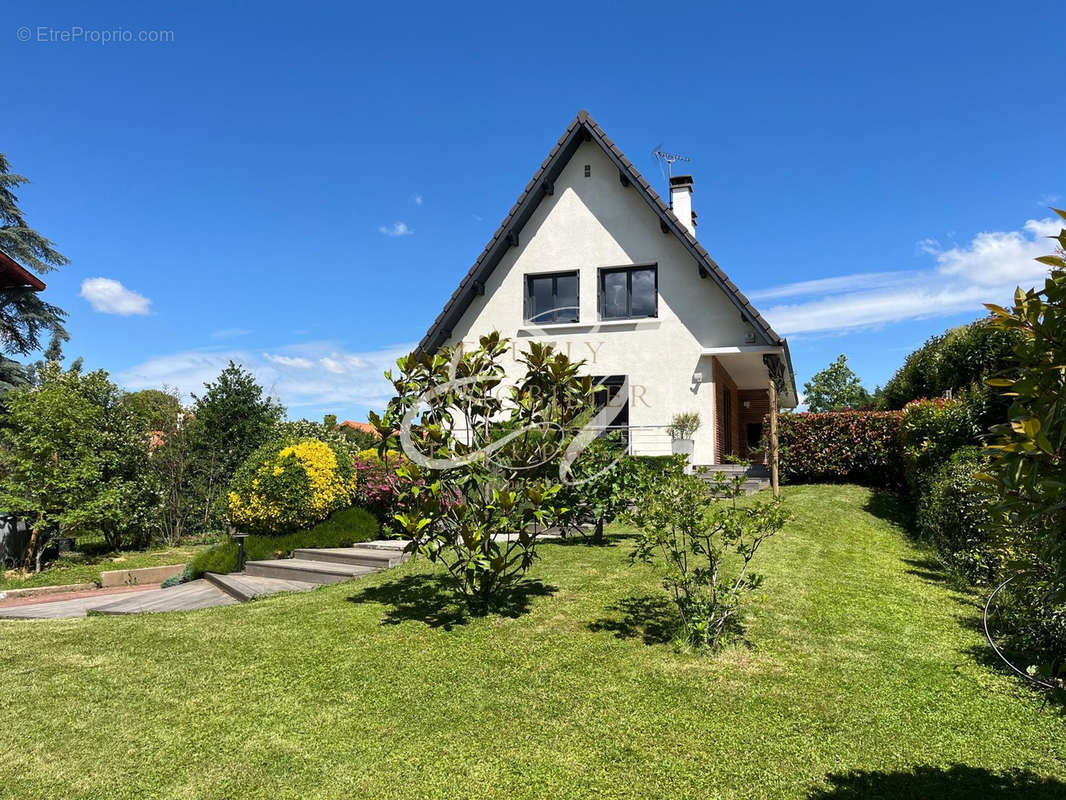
[
  {"x": 378, "y": 485},
  {"x": 605, "y": 482},
  {"x": 930, "y": 431},
  {"x": 704, "y": 543},
  {"x": 491, "y": 456},
  {"x": 344, "y": 528},
  {"x": 290, "y": 484},
  {"x": 855, "y": 446},
  {"x": 954, "y": 361},
  {"x": 955, "y": 516}
]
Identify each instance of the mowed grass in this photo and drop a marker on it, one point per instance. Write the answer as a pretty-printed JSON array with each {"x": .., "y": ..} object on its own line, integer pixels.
[
  {"x": 72, "y": 568},
  {"x": 862, "y": 676}
]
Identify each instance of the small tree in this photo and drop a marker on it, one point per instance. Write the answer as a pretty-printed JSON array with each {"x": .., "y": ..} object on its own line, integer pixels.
[
  {"x": 603, "y": 482},
  {"x": 74, "y": 460},
  {"x": 230, "y": 420},
  {"x": 704, "y": 542},
  {"x": 484, "y": 480},
  {"x": 172, "y": 465},
  {"x": 836, "y": 388}
]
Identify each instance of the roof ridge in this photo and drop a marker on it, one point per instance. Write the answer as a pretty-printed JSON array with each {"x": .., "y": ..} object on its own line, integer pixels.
[{"x": 490, "y": 256}]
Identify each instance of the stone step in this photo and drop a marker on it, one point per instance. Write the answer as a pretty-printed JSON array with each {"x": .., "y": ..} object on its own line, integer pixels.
[
  {"x": 243, "y": 587},
  {"x": 367, "y": 556},
  {"x": 190, "y": 596},
  {"x": 385, "y": 544},
  {"x": 298, "y": 569}
]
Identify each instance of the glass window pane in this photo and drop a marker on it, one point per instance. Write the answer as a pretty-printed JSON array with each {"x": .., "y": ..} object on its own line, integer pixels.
[
  {"x": 614, "y": 294},
  {"x": 541, "y": 300},
  {"x": 643, "y": 302},
  {"x": 566, "y": 298}
]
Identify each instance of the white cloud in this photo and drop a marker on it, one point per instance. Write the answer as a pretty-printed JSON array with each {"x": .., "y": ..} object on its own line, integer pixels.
[
  {"x": 416, "y": 199},
  {"x": 396, "y": 229},
  {"x": 290, "y": 361},
  {"x": 297, "y": 374},
  {"x": 108, "y": 296},
  {"x": 986, "y": 270}
]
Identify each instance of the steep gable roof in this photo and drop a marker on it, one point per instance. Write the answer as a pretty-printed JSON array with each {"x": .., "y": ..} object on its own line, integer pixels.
[{"x": 582, "y": 128}]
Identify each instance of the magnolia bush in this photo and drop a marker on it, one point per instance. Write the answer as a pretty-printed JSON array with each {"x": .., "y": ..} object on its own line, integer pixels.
[
  {"x": 484, "y": 479},
  {"x": 289, "y": 485}
]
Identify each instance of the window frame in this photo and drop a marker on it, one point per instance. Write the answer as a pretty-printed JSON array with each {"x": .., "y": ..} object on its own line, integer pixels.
[
  {"x": 527, "y": 307},
  {"x": 628, "y": 270}
]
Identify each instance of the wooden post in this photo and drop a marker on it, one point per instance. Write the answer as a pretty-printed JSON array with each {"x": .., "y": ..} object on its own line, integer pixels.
[{"x": 773, "y": 439}]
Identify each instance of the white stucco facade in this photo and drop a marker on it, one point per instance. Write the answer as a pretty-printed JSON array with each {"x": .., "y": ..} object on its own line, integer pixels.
[{"x": 594, "y": 221}]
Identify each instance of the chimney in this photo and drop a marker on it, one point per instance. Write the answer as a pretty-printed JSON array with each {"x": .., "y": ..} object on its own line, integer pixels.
[{"x": 681, "y": 201}]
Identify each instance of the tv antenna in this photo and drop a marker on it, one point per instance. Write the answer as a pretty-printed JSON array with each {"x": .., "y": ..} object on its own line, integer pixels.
[{"x": 669, "y": 159}]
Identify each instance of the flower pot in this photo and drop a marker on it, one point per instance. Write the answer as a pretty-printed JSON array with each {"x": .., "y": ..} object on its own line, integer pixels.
[{"x": 682, "y": 447}]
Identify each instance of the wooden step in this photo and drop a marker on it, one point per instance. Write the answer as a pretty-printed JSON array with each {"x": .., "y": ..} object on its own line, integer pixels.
[
  {"x": 298, "y": 569},
  {"x": 367, "y": 556},
  {"x": 183, "y": 597},
  {"x": 243, "y": 587}
]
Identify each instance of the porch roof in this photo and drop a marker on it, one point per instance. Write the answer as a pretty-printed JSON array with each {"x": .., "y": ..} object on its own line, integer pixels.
[{"x": 746, "y": 367}]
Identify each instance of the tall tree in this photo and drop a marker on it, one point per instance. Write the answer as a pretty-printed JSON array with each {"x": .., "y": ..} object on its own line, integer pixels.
[
  {"x": 836, "y": 388},
  {"x": 231, "y": 419},
  {"x": 155, "y": 409},
  {"x": 73, "y": 459},
  {"x": 25, "y": 319}
]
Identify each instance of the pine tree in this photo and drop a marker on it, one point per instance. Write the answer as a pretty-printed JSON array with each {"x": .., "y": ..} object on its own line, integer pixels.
[{"x": 25, "y": 318}]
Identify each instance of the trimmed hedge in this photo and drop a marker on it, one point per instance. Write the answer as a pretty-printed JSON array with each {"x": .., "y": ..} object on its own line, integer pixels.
[
  {"x": 954, "y": 514},
  {"x": 344, "y": 528},
  {"x": 852, "y": 446},
  {"x": 931, "y": 431}
]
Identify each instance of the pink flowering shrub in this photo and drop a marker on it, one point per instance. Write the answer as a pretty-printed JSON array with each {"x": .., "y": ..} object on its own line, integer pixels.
[
  {"x": 856, "y": 446},
  {"x": 377, "y": 484}
]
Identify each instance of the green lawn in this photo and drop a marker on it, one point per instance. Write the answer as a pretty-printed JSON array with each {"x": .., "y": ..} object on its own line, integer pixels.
[
  {"x": 86, "y": 568},
  {"x": 863, "y": 677}
]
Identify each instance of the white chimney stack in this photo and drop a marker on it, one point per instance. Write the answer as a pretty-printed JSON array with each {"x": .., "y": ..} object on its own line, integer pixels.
[{"x": 681, "y": 201}]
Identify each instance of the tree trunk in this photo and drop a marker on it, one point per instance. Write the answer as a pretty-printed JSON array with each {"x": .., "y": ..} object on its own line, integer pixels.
[{"x": 31, "y": 546}]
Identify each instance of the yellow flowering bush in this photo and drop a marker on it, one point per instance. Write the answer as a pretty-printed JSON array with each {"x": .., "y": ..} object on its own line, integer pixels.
[{"x": 289, "y": 485}]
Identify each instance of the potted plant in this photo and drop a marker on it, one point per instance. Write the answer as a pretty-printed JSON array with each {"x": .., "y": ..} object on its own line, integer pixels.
[{"x": 680, "y": 431}]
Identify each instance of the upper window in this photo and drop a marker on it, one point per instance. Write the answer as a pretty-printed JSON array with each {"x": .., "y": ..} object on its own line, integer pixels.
[
  {"x": 629, "y": 292},
  {"x": 551, "y": 298}
]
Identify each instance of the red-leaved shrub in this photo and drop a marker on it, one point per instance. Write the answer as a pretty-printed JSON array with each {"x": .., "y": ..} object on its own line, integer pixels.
[{"x": 854, "y": 446}]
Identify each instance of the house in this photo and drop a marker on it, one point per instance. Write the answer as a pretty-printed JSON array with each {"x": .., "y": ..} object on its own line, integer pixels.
[{"x": 591, "y": 260}]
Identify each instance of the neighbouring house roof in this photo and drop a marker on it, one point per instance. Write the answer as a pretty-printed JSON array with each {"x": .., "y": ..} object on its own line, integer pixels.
[
  {"x": 583, "y": 128},
  {"x": 365, "y": 427},
  {"x": 14, "y": 276}
]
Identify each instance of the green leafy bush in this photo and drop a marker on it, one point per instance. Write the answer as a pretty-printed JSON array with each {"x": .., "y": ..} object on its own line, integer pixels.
[
  {"x": 291, "y": 484},
  {"x": 703, "y": 542},
  {"x": 955, "y": 516},
  {"x": 854, "y": 446},
  {"x": 958, "y": 361},
  {"x": 930, "y": 431},
  {"x": 344, "y": 528}
]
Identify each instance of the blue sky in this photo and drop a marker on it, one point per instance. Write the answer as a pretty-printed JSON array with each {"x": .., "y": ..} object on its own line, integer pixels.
[{"x": 302, "y": 187}]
